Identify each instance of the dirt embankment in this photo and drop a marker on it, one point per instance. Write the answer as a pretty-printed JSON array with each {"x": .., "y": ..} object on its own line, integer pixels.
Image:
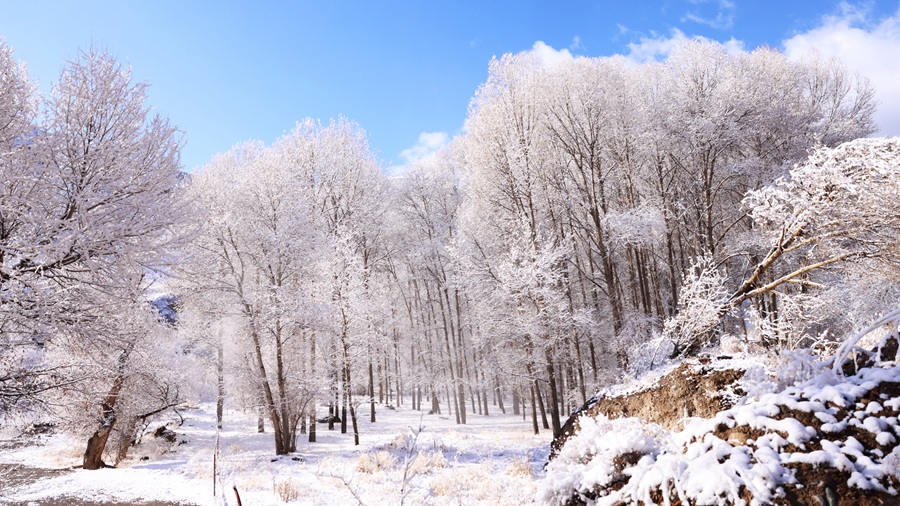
[
  {"x": 836, "y": 438},
  {"x": 693, "y": 389}
]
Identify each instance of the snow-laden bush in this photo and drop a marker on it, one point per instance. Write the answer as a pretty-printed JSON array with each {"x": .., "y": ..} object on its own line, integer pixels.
[
  {"x": 642, "y": 358},
  {"x": 791, "y": 367},
  {"x": 703, "y": 297},
  {"x": 593, "y": 459}
]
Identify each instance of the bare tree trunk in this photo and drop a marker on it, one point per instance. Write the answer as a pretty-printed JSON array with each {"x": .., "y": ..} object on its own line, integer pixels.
[
  {"x": 269, "y": 397},
  {"x": 127, "y": 439},
  {"x": 459, "y": 400},
  {"x": 333, "y": 405},
  {"x": 371, "y": 392},
  {"x": 540, "y": 403},
  {"x": 93, "y": 454},
  {"x": 435, "y": 402},
  {"x": 348, "y": 389},
  {"x": 554, "y": 395},
  {"x": 484, "y": 389},
  {"x": 220, "y": 370},
  {"x": 397, "y": 373},
  {"x": 461, "y": 360},
  {"x": 312, "y": 368},
  {"x": 534, "y": 422},
  {"x": 500, "y": 396},
  {"x": 345, "y": 393}
]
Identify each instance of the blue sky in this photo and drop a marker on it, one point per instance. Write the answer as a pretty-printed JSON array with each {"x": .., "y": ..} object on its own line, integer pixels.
[{"x": 226, "y": 72}]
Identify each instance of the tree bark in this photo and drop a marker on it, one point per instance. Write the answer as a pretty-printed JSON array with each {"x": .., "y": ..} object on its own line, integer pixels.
[
  {"x": 554, "y": 395},
  {"x": 371, "y": 392},
  {"x": 534, "y": 421},
  {"x": 93, "y": 454},
  {"x": 220, "y": 370}
]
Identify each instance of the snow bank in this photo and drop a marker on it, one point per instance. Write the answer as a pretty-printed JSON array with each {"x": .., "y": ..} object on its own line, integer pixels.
[{"x": 755, "y": 452}]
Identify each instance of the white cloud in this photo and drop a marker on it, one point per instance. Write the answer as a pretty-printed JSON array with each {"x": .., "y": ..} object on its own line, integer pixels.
[
  {"x": 550, "y": 56},
  {"x": 658, "y": 47},
  {"x": 655, "y": 47},
  {"x": 428, "y": 144},
  {"x": 723, "y": 18},
  {"x": 869, "y": 47}
]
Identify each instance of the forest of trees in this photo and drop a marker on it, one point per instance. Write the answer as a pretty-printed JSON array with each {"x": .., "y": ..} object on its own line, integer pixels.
[{"x": 597, "y": 218}]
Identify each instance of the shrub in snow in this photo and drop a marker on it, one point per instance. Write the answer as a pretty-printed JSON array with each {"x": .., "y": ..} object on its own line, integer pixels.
[
  {"x": 791, "y": 368},
  {"x": 593, "y": 462},
  {"x": 426, "y": 462},
  {"x": 375, "y": 462},
  {"x": 287, "y": 489},
  {"x": 642, "y": 358},
  {"x": 521, "y": 467}
]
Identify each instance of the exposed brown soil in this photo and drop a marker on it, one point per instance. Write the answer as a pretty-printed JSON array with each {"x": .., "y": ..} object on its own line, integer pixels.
[
  {"x": 692, "y": 389},
  {"x": 698, "y": 390},
  {"x": 13, "y": 476}
]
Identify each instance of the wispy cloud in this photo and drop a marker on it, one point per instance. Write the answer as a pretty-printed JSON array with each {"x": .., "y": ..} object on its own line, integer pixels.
[
  {"x": 721, "y": 19},
  {"x": 428, "y": 144},
  {"x": 867, "y": 46},
  {"x": 576, "y": 44}
]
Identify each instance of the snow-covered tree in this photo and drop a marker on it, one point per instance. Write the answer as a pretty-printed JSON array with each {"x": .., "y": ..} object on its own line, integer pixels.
[
  {"x": 256, "y": 247},
  {"x": 290, "y": 239},
  {"x": 91, "y": 214}
]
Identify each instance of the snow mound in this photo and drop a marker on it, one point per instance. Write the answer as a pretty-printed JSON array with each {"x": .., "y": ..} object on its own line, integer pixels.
[
  {"x": 824, "y": 439},
  {"x": 698, "y": 387}
]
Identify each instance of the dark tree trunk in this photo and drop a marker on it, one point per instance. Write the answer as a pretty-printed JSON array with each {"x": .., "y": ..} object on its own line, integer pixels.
[
  {"x": 534, "y": 422},
  {"x": 371, "y": 393},
  {"x": 554, "y": 394},
  {"x": 93, "y": 454},
  {"x": 220, "y": 368},
  {"x": 127, "y": 439},
  {"x": 540, "y": 403}
]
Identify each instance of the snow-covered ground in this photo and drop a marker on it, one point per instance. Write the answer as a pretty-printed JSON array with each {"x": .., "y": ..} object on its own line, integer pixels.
[{"x": 491, "y": 460}]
